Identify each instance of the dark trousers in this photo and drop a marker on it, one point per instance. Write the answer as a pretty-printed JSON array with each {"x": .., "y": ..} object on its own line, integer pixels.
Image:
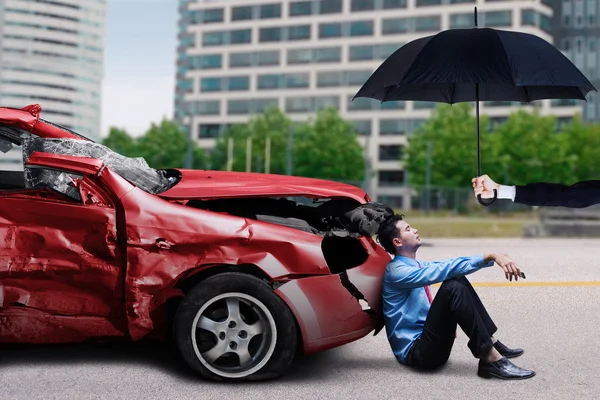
[{"x": 456, "y": 303}]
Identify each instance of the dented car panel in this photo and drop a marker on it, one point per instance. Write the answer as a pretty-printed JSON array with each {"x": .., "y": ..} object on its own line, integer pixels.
[
  {"x": 88, "y": 253},
  {"x": 356, "y": 295}
]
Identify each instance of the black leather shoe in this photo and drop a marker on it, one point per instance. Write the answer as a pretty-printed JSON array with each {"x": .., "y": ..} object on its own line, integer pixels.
[
  {"x": 506, "y": 352},
  {"x": 502, "y": 369}
]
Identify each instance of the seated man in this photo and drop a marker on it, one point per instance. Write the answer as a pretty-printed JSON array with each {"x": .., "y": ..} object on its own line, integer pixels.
[{"x": 421, "y": 332}]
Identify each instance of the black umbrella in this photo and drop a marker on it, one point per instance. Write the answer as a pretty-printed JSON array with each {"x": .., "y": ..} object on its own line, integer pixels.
[{"x": 462, "y": 65}]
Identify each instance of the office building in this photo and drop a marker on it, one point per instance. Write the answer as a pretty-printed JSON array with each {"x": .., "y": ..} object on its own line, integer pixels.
[
  {"x": 237, "y": 57},
  {"x": 576, "y": 31},
  {"x": 51, "y": 53}
]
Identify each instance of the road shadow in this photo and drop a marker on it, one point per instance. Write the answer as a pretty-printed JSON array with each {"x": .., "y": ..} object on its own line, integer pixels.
[
  {"x": 165, "y": 357},
  {"x": 162, "y": 356}
]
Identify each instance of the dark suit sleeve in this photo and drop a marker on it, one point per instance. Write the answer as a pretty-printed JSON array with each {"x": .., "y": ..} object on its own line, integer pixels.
[{"x": 579, "y": 195}]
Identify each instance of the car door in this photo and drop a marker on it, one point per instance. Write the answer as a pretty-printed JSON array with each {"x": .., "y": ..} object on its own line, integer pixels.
[{"x": 61, "y": 274}]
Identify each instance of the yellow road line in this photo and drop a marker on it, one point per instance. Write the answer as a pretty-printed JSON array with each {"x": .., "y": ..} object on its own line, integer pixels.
[{"x": 531, "y": 284}]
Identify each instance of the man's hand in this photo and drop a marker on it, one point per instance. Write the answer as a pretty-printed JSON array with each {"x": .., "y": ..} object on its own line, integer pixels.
[
  {"x": 484, "y": 185},
  {"x": 507, "y": 264}
]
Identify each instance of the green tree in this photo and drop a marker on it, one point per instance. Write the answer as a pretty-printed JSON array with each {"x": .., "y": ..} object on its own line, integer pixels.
[
  {"x": 452, "y": 132},
  {"x": 582, "y": 142},
  {"x": 532, "y": 150},
  {"x": 271, "y": 123},
  {"x": 327, "y": 148},
  {"x": 120, "y": 142},
  {"x": 165, "y": 146}
]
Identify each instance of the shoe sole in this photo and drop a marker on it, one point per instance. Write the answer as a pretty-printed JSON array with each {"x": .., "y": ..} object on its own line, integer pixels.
[
  {"x": 492, "y": 375},
  {"x": 515, "y": 356}
]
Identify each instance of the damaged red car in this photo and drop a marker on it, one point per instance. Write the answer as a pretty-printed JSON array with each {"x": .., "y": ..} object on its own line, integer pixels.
[{"x": 241, "y": 270}]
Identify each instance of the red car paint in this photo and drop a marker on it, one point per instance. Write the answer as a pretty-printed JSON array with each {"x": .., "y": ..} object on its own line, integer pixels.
[{"x": 105, "y": 267}]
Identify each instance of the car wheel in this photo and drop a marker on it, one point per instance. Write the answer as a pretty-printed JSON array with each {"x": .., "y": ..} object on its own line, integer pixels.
[{"x": 232, "y": 327}]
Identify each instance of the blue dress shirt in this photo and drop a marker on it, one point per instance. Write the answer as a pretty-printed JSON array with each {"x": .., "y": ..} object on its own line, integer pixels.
[{"x": 405, "y": 303}]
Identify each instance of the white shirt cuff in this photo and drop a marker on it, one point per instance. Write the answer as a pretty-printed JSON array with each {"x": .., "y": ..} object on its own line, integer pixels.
[{"x": 506, "y": 192}]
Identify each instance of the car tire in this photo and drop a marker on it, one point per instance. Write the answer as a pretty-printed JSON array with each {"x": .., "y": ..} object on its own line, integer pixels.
[{"x": 262, "y": 332}]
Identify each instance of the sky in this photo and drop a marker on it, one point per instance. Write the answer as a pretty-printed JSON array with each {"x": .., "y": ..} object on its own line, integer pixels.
[{"x": 139, "y": 70}]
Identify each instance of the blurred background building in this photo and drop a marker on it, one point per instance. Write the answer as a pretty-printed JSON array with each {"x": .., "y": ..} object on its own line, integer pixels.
[
  {"x": 51, "y": 53},
  {"x": 235, "y": 58},
  {"x": 576, "y": 31}
]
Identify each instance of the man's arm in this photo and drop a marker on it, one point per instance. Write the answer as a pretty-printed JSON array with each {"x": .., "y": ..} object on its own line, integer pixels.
[
  {"x": 579, "y": 195},
  {"x": 408, "y": 277}
]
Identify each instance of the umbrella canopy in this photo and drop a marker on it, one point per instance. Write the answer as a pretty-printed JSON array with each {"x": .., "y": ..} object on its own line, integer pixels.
[
  {"x": 463, "y": 65},
  {"x": 509, "y": 66}
]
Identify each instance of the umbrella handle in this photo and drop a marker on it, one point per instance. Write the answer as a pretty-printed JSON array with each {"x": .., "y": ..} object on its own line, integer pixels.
[{"x": 483, "y": 203}]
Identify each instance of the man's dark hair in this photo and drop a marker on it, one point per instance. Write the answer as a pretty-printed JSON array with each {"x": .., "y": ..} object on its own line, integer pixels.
[{"x": 388, "y": 231}]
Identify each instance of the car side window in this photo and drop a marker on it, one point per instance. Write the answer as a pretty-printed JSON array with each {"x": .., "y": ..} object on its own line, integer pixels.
[{"x": 65, "y": 183}]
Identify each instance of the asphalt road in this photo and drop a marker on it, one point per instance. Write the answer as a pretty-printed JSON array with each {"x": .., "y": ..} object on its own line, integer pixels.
[{"x": 553, "y": 314}]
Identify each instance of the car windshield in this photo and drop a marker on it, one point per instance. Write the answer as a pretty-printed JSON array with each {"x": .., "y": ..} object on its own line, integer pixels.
[{"x": 135, "y": 170}]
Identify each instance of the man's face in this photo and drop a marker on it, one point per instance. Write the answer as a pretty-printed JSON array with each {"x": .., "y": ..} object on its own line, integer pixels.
[{"x": 408, "y": 236}]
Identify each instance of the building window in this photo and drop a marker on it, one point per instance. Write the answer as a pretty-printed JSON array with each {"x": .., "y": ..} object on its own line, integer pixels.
[
  {"x": 423, "y": 24},
  {"x": 299, "y": 32},
  {"x": 392, "y": 152},
  {"x": 362, "y": 5},
  {"x": 392, "y": 105},
  {"x": 329, "y": 79},
  {"x": 270, "y": 11},
  {"x": 328, "y": 54},
  {"x": 300, "y": 8},
  {"x": 361, "y": 28},
  {"x": 391, "y": 178},
  {"x": 241, "y": 13},
  {"x": 358, "y": 77},
  {"x": 394, "y": 26},
  {"x": 209, "y": 130},
  {"x": 270, "y": 34},
  {"x": 237, "y": 83},
  {"x": 362, "y": 127},
  {"x": 461, "y": 21},
  {"x": 270, "y": 81},
  {"x": 213, "y": 38},
  {"x": 297, "y": 80},
  {"x": 300, "y": 56},
  {"x": 330, "y": 30},
  {"x": 330, "y": 6},
  {"x": 301, "y": 104},
  {"x": 427, "y": 3},
  {"x": 207, "y": 61},
  {"x": 240, "y": 36},
  {"x": 212, "y": 15},
  {"x": 310, "y": 104},
  {"x": 227, "y": 37},
  {"x": 326, "y": 102},
  {"x": 528, "y": 18},
  {"x": 422, "y": 105},
  {"x": 388, "y": 4},
  {"x": 212, "y": 107},
  {"x": 264, "y": 58},
  {"x": 358, "y": 53},
  {"x": 237, "y": 107},
  {"x": 498, "y": 18},
  {"x": 240, "y": 60},
  {"x": 361, "y": 104},
  {"x": 388, "y": 127},
  {"x": 210, "y": 85}
]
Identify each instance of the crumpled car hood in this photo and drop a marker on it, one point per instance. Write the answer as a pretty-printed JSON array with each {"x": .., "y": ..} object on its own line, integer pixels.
[{"x": 214, "y": 184}]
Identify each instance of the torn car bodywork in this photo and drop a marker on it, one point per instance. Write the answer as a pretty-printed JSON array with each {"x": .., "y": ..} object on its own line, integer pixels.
[{"x": 94, "y": 244}]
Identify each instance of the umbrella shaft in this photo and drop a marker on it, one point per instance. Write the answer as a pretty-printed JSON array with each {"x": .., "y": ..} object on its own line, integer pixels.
[{"x": 477, "y": 119}]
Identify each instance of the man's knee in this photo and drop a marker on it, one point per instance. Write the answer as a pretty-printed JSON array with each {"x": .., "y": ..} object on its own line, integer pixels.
[{"x": 455, "y": 284}]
